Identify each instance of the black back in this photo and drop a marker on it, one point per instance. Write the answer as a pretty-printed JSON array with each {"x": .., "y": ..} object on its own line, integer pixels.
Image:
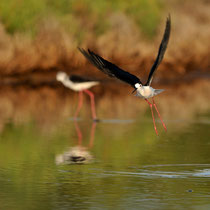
[
  {"x": 109, "y": 68},
  {"x": 79, "y": 79},
  {"x": 161, "y": 51}
]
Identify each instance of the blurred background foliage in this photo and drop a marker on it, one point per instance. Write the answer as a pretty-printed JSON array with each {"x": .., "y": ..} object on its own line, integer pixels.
[
  {"x": 78, "y": 15},
  {"x": 38, "y": 36}
]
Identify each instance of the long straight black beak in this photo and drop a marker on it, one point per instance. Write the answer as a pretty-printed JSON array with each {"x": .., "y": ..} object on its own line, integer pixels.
[{"x": 134, "y": 91}]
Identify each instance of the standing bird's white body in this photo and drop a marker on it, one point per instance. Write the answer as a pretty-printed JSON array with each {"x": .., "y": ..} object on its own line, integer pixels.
[
  {"x": 74, "y": 85},
  {"x": 79, "y": 84},
  {"x": 144, "y": 91}
]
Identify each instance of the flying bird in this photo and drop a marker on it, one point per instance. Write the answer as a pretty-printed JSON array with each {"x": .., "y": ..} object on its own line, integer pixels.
[
  {"x": 79, "y": 84},
  {"x": 144, "y": 91}
]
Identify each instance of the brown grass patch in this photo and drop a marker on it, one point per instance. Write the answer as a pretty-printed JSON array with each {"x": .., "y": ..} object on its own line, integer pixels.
[{"x": 54, "y": 49}]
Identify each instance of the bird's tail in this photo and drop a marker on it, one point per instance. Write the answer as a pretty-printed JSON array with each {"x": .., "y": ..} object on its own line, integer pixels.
[{"x": 158, "y": 91}]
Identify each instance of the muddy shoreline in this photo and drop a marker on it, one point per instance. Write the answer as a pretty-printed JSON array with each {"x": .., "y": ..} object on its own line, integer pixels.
[{"x": 44, "y": 78}]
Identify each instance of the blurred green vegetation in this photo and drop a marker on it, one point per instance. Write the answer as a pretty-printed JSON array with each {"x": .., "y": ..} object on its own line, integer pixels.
[{"x": 78, "y": 16}]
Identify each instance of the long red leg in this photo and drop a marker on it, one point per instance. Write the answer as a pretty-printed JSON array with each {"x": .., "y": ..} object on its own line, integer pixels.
[
  {"x": 79, "y": 106},
  {"x": 79, "y": 133},
  {"x": 92, "y": 101},
  {"x": 159, "y": 115},
  {"x": 92, "y": 134},
  {"x": 152, "y": 116}
]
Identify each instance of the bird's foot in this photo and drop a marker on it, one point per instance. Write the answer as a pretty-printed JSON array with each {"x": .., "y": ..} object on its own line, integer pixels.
[{"x": 96, "y": 120}]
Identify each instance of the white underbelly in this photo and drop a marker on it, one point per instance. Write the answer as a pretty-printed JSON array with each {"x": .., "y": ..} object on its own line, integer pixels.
[
  {"x": 145, "y": 93},
  {"x": 148, "y": 95},
  {"x": 148, "y": 92},
  {"x": 80, "y": 86}
]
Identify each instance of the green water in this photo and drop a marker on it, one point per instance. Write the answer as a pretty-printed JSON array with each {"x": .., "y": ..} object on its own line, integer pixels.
[{"x": 108, "y": 165}]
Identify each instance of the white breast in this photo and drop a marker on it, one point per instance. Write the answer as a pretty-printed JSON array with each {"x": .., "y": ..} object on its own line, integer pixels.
[{"x": 145, "y": 92}]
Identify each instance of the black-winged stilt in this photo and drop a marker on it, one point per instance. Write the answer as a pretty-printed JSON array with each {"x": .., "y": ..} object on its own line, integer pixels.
[
  {"x": 80, "y": 84},
  {"x": 144, "y": 91}
]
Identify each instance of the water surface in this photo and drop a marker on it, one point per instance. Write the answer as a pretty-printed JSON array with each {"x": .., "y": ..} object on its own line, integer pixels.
[{"x": 114, "y": 164}]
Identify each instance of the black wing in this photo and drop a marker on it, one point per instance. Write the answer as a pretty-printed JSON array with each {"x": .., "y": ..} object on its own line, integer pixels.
[
  {"x": 79, "y": 79},
  {"x": 109, "y": 68},
  {"x": 161, "y": 51}
]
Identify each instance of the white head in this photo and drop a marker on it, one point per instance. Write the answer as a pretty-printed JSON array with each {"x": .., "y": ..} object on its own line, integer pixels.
[
  {"x": 137, "y": 85},
  {"x": 61, "y": 76}
]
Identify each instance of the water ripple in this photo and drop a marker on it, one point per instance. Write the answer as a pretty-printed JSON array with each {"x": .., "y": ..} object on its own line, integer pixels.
[{"x": 168, "y": 171}]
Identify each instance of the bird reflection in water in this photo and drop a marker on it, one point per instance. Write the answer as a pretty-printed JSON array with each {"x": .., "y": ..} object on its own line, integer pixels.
[{"x": 78, "y": 154}]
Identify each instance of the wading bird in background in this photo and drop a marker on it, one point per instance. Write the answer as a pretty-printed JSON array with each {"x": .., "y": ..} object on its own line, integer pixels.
[
  {"x": 144, "y": 91},
  {"x": 80, "y": 84}
]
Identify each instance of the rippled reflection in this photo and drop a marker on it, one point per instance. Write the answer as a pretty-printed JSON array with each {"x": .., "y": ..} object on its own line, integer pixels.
[{"x": 78, "y": 154}]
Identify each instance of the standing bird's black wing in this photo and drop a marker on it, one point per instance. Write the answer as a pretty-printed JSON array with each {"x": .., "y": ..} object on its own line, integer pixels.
[
  {"x": 78, "y": 79},
  {"x": 161, "y": 51},
  {"x": 109, "y": 68}
]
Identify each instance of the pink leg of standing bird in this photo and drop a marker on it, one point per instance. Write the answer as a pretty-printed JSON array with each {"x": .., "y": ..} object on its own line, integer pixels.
[
  {"x": 159, "y": 115},
  {"x": 152, "y": 116},
  {"x": 92, "y": 104},
  {"x": 79, "y": 106}
]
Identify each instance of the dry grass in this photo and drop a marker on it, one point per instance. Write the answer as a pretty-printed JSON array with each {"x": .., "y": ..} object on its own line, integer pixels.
[{"x": 54, "y": 48}]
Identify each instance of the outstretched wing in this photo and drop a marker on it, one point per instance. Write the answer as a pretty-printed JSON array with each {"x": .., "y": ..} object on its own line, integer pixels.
[
  {"x": 161, "y": 51},
  {"x": 109, "y": 68}
]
